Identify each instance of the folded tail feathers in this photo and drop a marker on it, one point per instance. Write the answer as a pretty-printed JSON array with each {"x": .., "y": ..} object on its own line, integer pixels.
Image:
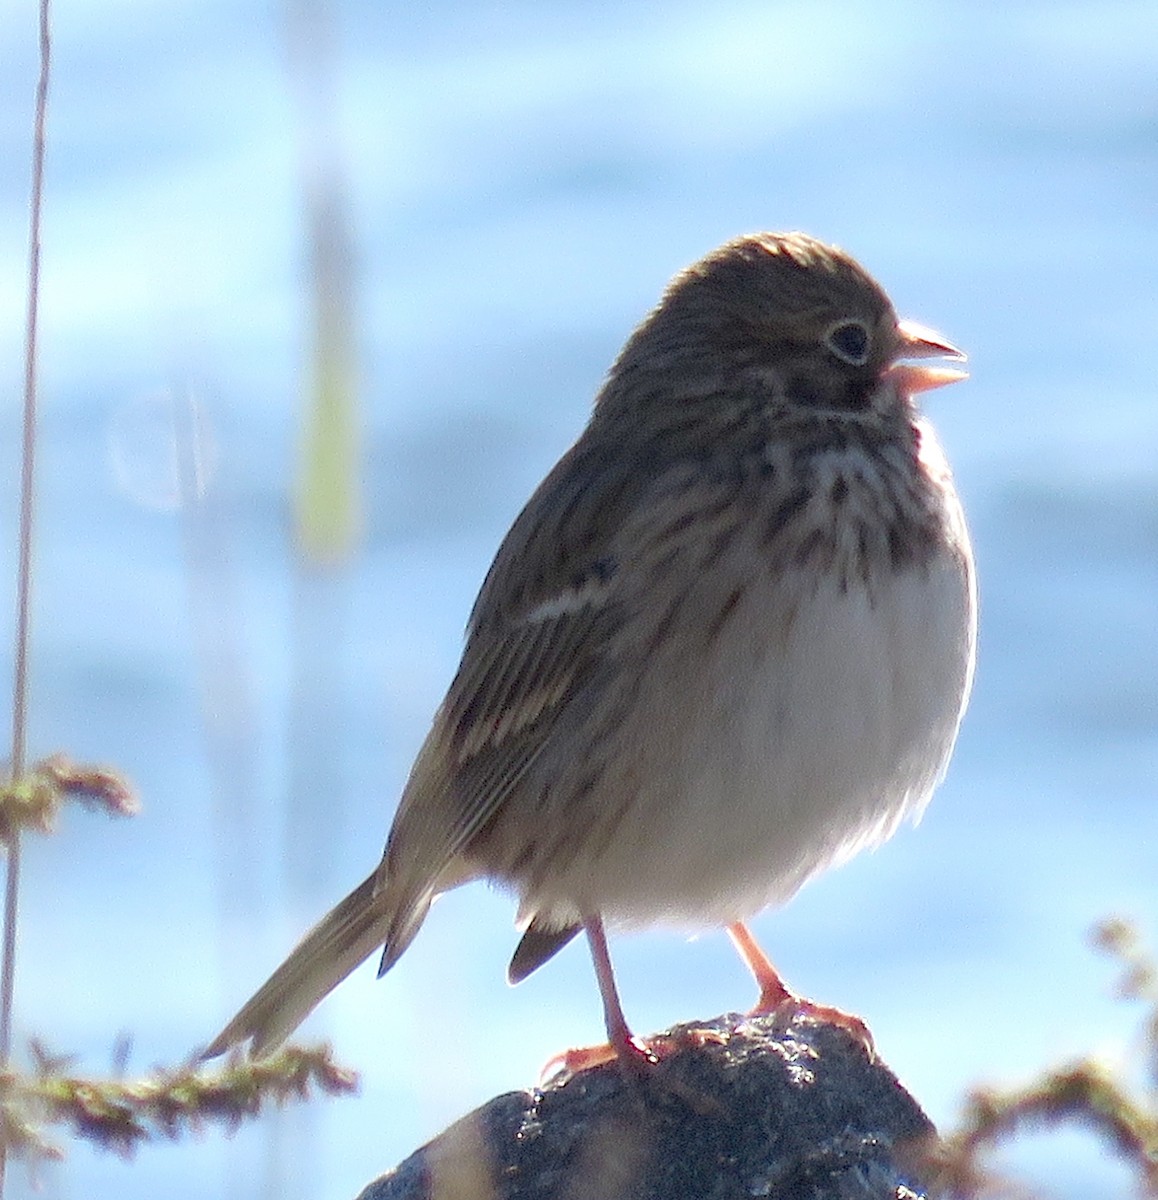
[
  {"x": 342, "y": 940},
  {"x": 538, "y": 944},
  {"x": 401, "y": 933}
]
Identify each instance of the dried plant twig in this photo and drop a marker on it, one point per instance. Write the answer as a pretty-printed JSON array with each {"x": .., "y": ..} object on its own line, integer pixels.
[
  {"x": 24, "y": 555},
  {"x": 35, "y": 799},
  {"x": 1086, "y": 1093},
  {"x": 121, "y": 1115}
]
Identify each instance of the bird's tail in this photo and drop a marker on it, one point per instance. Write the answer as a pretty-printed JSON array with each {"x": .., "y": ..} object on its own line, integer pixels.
[{"x": 346, "y": 936}]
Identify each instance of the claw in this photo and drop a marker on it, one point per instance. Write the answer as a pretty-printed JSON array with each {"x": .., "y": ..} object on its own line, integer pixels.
[{"x": 776, "y": 998}]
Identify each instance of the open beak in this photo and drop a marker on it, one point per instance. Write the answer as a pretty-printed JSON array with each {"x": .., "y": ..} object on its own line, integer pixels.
[{"x": 916, "y": 341}]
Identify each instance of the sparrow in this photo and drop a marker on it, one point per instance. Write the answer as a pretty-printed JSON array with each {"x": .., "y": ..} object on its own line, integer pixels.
[{"x": 726, "y": 645}]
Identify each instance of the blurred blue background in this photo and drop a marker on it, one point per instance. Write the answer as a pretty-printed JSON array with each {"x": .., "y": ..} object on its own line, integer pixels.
[{"x": 521, "y": 181}]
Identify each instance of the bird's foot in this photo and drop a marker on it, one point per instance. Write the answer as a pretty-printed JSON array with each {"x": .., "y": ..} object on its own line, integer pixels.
[
  {"x": 636, "y": 1056},
  {"x": 789, "y": 1006},
  {"x": 777, "y": 999}
]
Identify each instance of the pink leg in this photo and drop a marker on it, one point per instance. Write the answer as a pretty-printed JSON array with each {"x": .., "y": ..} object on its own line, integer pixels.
[
  {"x": 618, "y": 1033},
  {"x": 630, "y": 1051},
  {"x": 621, "y": 1044},
  {"x": 774, "y": 994}
]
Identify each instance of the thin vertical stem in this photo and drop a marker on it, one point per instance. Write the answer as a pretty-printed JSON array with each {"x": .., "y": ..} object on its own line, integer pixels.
[{"x": 24, "y": 564}]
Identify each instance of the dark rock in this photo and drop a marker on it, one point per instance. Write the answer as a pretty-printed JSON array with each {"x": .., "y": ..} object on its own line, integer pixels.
[{"x": 796, "y": 1112}]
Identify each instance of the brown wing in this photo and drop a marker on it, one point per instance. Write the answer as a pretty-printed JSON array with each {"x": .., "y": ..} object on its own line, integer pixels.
[{"x": 539, "y": 631}]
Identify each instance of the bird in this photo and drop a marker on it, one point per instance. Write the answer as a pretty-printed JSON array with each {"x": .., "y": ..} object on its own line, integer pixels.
[{"x": 726, "y": 645}]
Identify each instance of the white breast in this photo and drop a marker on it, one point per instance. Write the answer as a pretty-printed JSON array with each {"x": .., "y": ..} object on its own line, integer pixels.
[{"x": 820, "y": 720}]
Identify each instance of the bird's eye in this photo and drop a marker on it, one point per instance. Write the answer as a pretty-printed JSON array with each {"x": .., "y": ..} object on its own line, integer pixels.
[{"x": 849, "y": 341}]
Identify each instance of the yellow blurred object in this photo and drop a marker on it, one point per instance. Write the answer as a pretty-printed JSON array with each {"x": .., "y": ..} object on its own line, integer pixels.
[{"x": 328, "y": 500}]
